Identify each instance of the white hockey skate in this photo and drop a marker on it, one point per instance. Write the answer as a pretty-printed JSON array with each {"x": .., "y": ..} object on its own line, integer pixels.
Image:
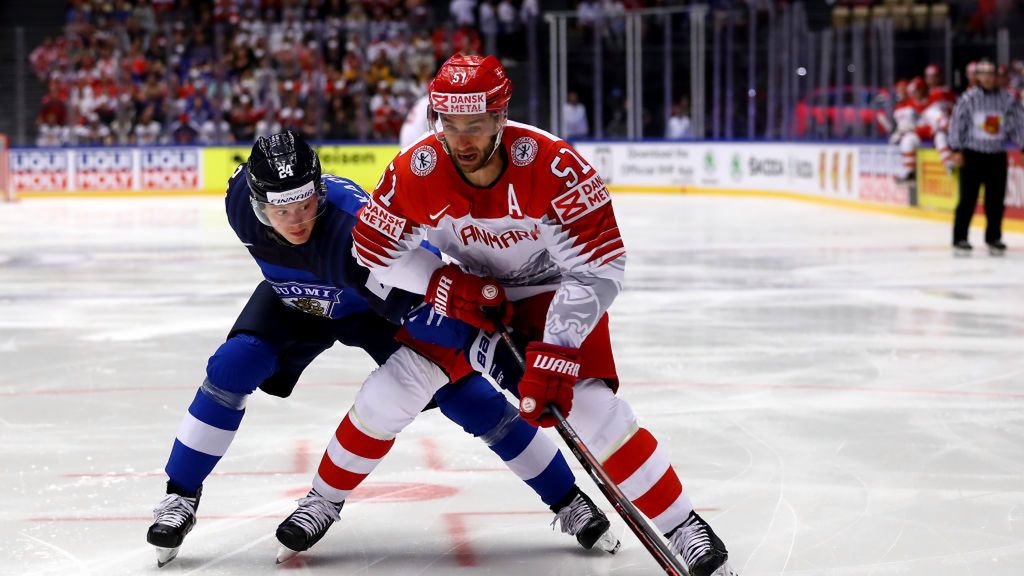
[
  {"x": 582, "y": 519},
  {"x": 701, "y": 550},
  {"x": 174, "y": 518},
  {"x": 306, "y": 526}
]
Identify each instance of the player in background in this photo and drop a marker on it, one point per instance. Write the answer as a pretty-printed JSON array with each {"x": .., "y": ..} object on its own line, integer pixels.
[
  {"x": 297, "y": 225},
  {"x": 938, "y": 106},
  {"x": 907, "y": 115},
  {"x": 516, "y": 204},
  {"x": 415, "y": 125},
  {"x": 884, "y": 119}
]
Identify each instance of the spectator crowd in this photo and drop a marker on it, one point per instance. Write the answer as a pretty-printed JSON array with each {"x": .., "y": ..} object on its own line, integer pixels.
[{"x": 224, "y": 71}]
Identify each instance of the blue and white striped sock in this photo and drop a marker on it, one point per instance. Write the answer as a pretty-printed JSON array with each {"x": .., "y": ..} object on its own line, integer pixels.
[{"x": 203, "y": 437}]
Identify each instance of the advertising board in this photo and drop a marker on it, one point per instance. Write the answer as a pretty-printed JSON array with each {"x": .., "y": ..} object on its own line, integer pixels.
[{"x": 40, "y": 170}]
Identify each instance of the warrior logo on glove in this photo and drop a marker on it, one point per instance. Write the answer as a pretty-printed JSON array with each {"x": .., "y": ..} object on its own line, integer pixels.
[
  {"x": 475, "y": 300},
  {"x": 551, "y": 373}
]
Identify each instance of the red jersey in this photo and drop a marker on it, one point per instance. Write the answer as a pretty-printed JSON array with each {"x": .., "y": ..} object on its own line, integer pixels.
[{"x": 546, "y": 224}]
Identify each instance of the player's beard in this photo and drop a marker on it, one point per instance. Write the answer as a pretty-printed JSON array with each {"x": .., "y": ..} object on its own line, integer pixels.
[{"x": 470, "y": 161}]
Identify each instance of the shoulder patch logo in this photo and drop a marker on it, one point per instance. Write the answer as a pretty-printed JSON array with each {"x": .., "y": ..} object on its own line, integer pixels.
[
  {"x": 524, "y": 150},
  {"x": 423, "y": 160}
]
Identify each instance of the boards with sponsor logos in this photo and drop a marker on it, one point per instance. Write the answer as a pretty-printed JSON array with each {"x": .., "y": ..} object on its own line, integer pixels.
[
  {"x": 939, "y": 190},
  {"x": 106, "y": 169},
  {"x": 167, "y": 168},
  {"x": 853, "y": 172},
  {"x": 816, "y": 169}
]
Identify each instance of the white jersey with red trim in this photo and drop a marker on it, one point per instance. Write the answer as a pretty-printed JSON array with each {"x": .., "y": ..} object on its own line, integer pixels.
[
  {"x": 545, "y": 224},
  {"x": 938, "y": 108},
  {"x": 906, "y": 114}
]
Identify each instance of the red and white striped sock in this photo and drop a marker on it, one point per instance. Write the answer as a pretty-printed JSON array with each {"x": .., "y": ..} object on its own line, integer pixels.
[
  {"x": 350, "y": 457},
  {"x": 643, "y": 473}
]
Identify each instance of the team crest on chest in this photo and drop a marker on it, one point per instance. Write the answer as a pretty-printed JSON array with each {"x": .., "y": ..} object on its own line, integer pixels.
[
  {"x": 524, "y": 150},
  {"x": 423, "y": 160},
  {"x": 308, "y": 298}
]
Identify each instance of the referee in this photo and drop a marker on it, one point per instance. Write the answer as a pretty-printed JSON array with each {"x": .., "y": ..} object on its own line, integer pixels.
[{"x": 984, "y": 118}]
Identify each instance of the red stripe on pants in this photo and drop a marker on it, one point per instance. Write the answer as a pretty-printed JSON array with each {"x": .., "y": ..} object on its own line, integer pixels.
[{"x": 631, "y": 456}]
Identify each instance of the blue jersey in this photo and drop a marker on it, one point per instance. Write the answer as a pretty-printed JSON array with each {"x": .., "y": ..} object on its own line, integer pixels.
[{"x": 319, "y": 277}]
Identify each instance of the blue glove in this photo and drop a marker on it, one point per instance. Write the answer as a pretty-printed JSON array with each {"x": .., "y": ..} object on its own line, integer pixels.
[{"x": 428, "y": 326}]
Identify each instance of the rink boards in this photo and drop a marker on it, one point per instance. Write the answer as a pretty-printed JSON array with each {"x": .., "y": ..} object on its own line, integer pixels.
[{"x": 860, "y": 175}]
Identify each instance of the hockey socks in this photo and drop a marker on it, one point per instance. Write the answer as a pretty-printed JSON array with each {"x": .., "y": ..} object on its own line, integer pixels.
[
  {"x": 532, "y": 456},
  {"x": 203, "y": 437},
  {"x": 350, "y": 457},
  {"x": 356, "y": 449},
  {"x": 643, "y": 473}
]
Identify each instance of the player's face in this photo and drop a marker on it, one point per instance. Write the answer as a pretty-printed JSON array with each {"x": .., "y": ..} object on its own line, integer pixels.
[
  {"x": 293, "y": 221},
  {"x": 470, "y": 139}
]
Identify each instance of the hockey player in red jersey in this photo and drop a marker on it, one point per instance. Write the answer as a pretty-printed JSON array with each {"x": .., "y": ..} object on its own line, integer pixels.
[
  {"x": 531, "y": 225},
  {"x": 907, "y": 115},
  {"x": 934, "y": 122}
]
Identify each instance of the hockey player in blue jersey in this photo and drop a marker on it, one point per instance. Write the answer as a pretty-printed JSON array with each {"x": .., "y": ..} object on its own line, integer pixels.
[{"x": 296, "y": 224}]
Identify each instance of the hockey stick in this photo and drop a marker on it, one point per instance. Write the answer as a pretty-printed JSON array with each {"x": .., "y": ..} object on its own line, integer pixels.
[{"x": 655, "y": 545}]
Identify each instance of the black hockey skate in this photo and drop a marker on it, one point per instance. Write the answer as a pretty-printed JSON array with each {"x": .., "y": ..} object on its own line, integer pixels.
[
  {"x": 174, "y": 518},
  {"x": 996, "y": 248},
  {"x": 307, "y": 525},
  {"x": 582, "y": 519},
  {"x": 962, "y": 248},
  {"x": 701, "y": 550}
]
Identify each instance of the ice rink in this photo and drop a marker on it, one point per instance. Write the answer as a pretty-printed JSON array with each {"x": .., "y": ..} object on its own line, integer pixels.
[{"x": 839, "y": 394}]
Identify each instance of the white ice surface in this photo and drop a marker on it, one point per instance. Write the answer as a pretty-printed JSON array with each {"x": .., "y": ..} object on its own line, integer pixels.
[{"x": 838, "y": 393}]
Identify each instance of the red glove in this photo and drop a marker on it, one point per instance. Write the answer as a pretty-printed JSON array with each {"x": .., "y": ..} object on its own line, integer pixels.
[
  {"x": 551, "y": 373},
  {"x": 475, "y": 300}
]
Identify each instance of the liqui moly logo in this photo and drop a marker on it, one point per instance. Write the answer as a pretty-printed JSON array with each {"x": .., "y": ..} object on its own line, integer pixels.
[
  {"x": 39, "y": 170},
  {"x": 444, "y": 103},
  {"x": 170, "y": 168},
  {"x": 105, "y": 169}
]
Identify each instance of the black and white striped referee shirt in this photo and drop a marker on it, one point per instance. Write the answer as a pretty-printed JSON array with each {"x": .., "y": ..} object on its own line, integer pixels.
[{"x": 984, "y": 120}]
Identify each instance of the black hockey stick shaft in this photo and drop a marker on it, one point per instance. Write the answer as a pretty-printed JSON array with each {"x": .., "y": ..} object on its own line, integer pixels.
[{"x": 630, "y": 515}]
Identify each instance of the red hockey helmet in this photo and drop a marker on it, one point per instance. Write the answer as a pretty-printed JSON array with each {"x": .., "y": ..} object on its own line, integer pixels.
[
  {"x": 470, "y": 85},
  {"x": 467, "y": 85}
]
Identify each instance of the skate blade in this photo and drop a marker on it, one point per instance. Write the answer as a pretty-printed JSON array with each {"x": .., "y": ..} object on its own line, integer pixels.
[
  {"x": 285, "y": 554},
  {"x": 165, "y": 555},
  {"x": 996, "y": 252},
  {"x": 608, "y": 542},
  {"x": 960, "y": 253}
]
